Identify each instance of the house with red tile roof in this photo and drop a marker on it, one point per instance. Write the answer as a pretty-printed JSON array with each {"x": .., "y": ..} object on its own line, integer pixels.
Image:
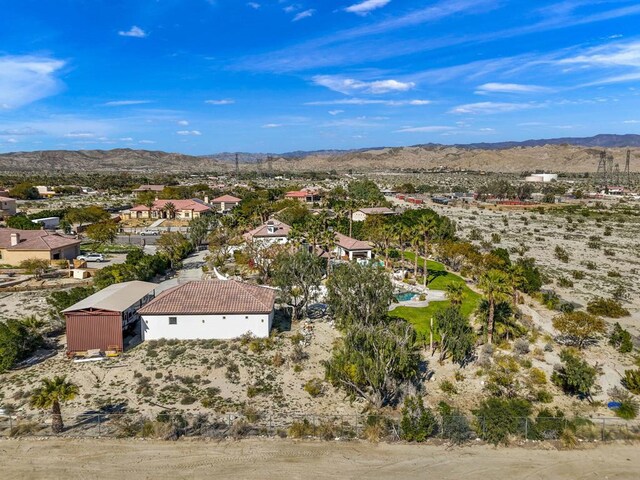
[
  {"x": 18, "y": 245},
  {"x": 348, "y": 248},
  {"x": 305, "y": 195},
  {"x": 209, "y": 309},
  {"x": 183, "y": 209},
  {"x": 225, "y": 203}
]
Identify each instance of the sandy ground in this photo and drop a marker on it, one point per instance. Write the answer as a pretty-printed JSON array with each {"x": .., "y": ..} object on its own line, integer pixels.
[{"x": 54, "y": 459}]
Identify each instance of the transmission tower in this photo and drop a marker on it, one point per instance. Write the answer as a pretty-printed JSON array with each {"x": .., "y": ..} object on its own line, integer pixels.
[
  {"x": 237, "y": 167},
  {"x": 616, "y": 172},
  {"x": 627, "y": 173},
  {"x": 601, "y": 176}
]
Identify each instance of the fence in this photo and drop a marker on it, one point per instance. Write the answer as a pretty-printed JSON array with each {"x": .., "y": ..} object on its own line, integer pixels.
[{"x": 455, "y": 428}]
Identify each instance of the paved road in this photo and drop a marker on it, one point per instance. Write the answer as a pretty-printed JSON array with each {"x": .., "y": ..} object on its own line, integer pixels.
[
  {"x": 191, "y": 270},
  {"x": 135, "y": 239}
]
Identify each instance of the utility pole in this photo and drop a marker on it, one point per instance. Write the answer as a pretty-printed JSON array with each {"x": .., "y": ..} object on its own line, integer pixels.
[
  {"x": 237, "y": 167},
  {"x": 627, "y": 172}
]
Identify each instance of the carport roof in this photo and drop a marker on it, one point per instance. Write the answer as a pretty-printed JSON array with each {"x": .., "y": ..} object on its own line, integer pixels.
[{"x": 115, "y": 298}]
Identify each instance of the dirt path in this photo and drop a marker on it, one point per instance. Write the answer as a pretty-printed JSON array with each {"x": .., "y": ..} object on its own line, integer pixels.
[{"x": 273, "y": 458}]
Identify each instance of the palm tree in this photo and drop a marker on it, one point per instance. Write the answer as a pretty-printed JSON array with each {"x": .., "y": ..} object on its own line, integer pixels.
[
  {"x": 455, "y": 293},
  {"x": 425, "y": 226},
  {"x": 495, "y": 285},
  {"x": 170, "y": 210},
  {"x": 416, "y": 242},
  {"x": 149, "y": 203},
  {"x": 51, "y": 394},
  {"x": 517, "y": 281},
  {"x": 328, "y": 241}
]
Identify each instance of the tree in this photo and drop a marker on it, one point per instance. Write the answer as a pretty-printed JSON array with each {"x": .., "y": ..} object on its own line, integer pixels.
[
  {"x": 498, "y": 418},
  {"x": 24, "y": 191},
  {"x": 359, "y": 294},
  {"x": 376, "y": 361},
  {"x": 35, "y": 266},
  {"x": 90, "y": 214},
  {"x": 170, "y": 209},
  {"x": 532, "y": 278},
  {"x": 328, "y": 241},
  {"x": 261, "y": 256},
  {"x": 102, "y": 232},
  {"x": 575, "y": 376},
  {"x": 418, "y": 423},
  {"x": 199, "y": 228},
  {"x": 426, "y": 226},
  {"x": 607, "y": 307},
  {"x": 495, "y": 285},
  {"x": 579, "y": 328},
  {"x": 621, "y": 339},
  {"x": 365, "y": 192},
  {"x": 17, "y": 341},
  {"x": 457, "y": 337},
  {"x": 174, "y": 245},
  {"x": 21, "y": 222},
  {"x": 297, "y": 276},
  {"x": 455, "y": 293},
  {"x": 52, "y": 394}
]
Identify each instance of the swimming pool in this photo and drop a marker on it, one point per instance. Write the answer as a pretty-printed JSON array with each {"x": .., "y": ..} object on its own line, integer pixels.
[{"x": 405, "y": 296}]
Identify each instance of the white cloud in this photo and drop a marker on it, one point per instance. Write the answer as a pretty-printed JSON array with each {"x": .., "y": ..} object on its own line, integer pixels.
[
  {"x": 224, "y": 101},
  {"x": 253, "y": 5},
  {"x": 429, "y": 129},
  {"x": 510, "y": 88},
  {"x": 146, "y": 142},
  {"x": 291, "y": 8},
  {"x": 11, "y": 140},
  {"x": 272, "y": 125},
  {"x": 488, "y": 108},
  {"x": 80, "y": 135},
  {"x": 21, "y": 131},
  {"x": 196, "y": 133},
  {"x": 367, "y": 6},
  {"x": 26, "y": 79},
  {"x": 121, "y": 103},
  {"x": 631, "y": 122},
  {"x": 369, "y": 101},
  {"x": 349, "y": 85},
  {"x": 134, "y": 31},
  {"x": 126, "y": 139},
  {"x": 335, "y": 112},
  {"x": 304, "y": 14},
  {"x": 184, "y": 123}
]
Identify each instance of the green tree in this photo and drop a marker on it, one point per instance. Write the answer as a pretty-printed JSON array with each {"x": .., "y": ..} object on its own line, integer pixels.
[
  {"x": 17, "y": 341},
  {"x": 575, "y": 376},
  {"x": 418, "y": 423},
  {"x": 457, "y": 337},
  {"x": 175, "y": 246},
  {"x": 21, "y": 222},
  {"x": 24, "y": 191},
  {"x": 365, "y": 192},
  {"x": 200, "y": 227},
  {"x": 495, "y": 285},
  {"x": 455, "y": 293},
  {"x": 63, "y": 299},
  {"x": 359, "y": 294},
  {"x": 498, "y": 418},
  {"x": 102, "y": 232},
  {"x": 297, "y": 276},
  {"x": 579, "y": 328},
  {"x": 170, "y": 210},
  {"x": 84, "y": 215},
  {"x": 621, "y": 339},
  {"x": 35, "y": 266},
  {"x": 375, "y": 361},
  {"x": 52, "y": 394}
]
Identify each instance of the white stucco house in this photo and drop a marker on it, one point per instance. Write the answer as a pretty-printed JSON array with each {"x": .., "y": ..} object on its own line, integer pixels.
[
  {"x": 362, "y": 214},
  {"x": 348, "y": 248},
  {"x": 269, "y": 233},
  {"x": 209, "y": 309}
]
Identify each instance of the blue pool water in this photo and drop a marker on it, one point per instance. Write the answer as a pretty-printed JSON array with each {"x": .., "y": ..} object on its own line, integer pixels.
[{"x": 405, "y": 296}]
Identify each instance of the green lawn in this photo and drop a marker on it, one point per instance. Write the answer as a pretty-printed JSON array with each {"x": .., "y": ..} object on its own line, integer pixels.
[{"x": 439, "y": 279}]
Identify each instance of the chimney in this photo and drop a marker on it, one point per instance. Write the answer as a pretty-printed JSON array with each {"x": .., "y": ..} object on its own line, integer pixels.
[
  {"x": 15, "y": 239},
  {"x": 206, "y": 199}
]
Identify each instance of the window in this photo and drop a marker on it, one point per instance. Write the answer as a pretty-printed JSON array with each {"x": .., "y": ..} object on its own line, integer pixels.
[
  {"x": 246, "y": 317},
  {"x": 173, "y": 320}
]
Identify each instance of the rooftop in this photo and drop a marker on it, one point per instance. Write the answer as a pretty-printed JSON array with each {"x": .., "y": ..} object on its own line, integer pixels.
[
  {"x": 34, "y": 240},
  {"x": 281, "y": 230},
  {"x": 226, "y": 199},
  {"x": 116, "y": 298},
  {"x": 349, "y": 243},
  {"x": 212, "y": 297},
  {"x": 189, "y": 204}
]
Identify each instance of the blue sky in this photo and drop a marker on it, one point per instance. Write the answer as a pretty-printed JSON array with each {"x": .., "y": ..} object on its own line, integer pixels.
[{"x": 205, "y": 76}]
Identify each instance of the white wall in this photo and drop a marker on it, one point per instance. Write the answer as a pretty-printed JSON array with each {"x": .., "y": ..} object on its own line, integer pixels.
[
  {"x": 359, "y": 216},
  {"x": 204, "y": 327}
]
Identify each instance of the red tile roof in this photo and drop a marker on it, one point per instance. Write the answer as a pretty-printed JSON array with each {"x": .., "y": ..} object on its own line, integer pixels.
[
  {"x": 300, "y": 194},
  {"x": 226, "y": 199},
  {"x": 35, "y": 240},
  {"x": 188, "y": 204},
  {"x": 281, "y": 230},
  {"x": 349, "y": 243},
  {"x": 212, "y": 297}
]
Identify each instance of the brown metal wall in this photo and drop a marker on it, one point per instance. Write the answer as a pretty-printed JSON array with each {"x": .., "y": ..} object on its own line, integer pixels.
[{"x": 89, "y": 330}]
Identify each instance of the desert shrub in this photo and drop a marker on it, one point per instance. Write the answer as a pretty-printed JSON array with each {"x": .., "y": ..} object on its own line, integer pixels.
[
  {"x": 188, "y": 400},
  {"x": 455, "y": 425},
  {"x": 301, "y": 429},
  {"x": 521, "y": 346},
  {"x": 496, "y": 238},
  {"x": 575, "y": 376},
  {"x": 543, "y": 396},
  {"x": 418, "y": 422},
  {"x": 537, "y": 376},
  {"x": 446, "y": 386},
  {"x": 579, "y": 328},
  {"x": 313, "y": 387},
  {"x": 376, "y": 427},
  {"x": 277, "y": 360},
  {"x": 127, "y": 426},
  {"x": 298, "y": 354},
  {"x": 578, "y": 274},
  {"x": 607, "y": 307},
  {"x": 628, "y": 408},
  {"x": 631, "y": 381},
  {"x": 564, "y": 282},
  {"x": 499, "y": 418},
  {"x": 609, "y": 252},
  {"x": 25, "y": 429},
  {"x": 620, "y": 339},
  {"x": 549, "y": 425},
  {"x": 233, "y": 372},
  {"x": 561, "y": 254},
  {"x": 591, "y": 265}
]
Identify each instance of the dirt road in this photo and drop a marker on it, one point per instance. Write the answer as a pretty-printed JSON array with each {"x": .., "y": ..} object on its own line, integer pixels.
[{"x": 257, "y": 459}]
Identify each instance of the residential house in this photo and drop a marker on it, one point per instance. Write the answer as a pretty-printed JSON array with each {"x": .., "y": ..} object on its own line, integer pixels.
[
  {"x": 7, "y": 207},
  {"x": 149, "y": 188},
  {"x": 362, "y": 214},
  {"x": 348, "y": 248},
  {"x": 108, "y": 319},
  {"x": 46, "y": 192},
  {"x": 184, "y": 209},
  {"x": 18, "y": 245},
  {"x": 225, "y": 203},
  {"x": 210, "y": 309},
  {"x": 305, "y": 195},
  {"x": 269, "y": 233}
]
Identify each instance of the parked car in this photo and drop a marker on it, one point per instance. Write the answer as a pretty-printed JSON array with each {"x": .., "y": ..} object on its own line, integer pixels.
[
  {"x": 92, "y": 257},
  {"x": 150, "y": 231}
]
